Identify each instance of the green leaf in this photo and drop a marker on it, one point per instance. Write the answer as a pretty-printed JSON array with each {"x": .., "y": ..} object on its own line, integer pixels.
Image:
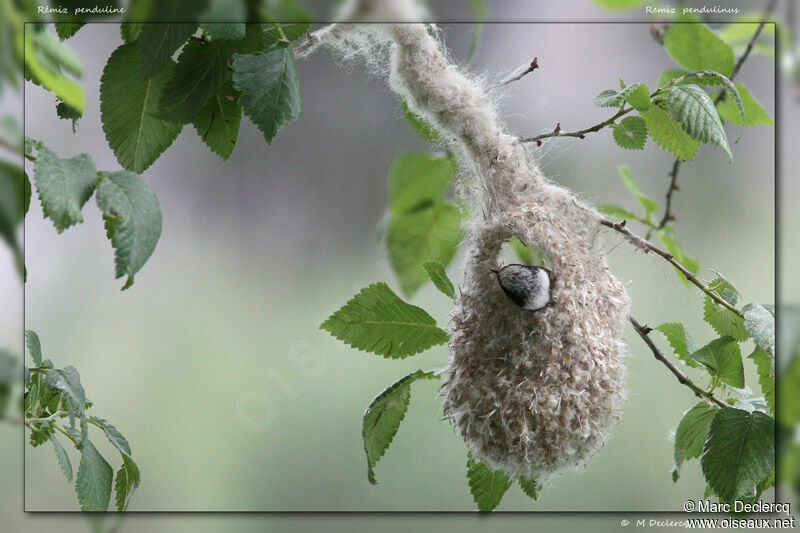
[
  {"x": 649, "y": 205},
  {"x": 668, "y": 76},
  {"x": 680, "y": 341},
  {"x": 438, "y": 275},
  {"x": 691, "y": 107},
  {"x": 667, "y": 236},
  {"x": 631, "y": 133},
  {"x": 429, "y": 234},
  {"x": 40, "y": 436},
  {"x": 696, "y": 47},
  {"x": 65, "y": 30},
  {"x": 423, "y": 128},
  {"x": 93, "y": 483},
  {"x": 12, "y": 202},
  {"x": 709, "y": 77},
  {"x": 218, "y": 122},
  {"x": 723, "y": 320},
  {"x": 487, "y": 486},
  {"x": 63, "y": 458},
  {"x": 157, "y": 43},
  {"x": 739, "y": 452},
  {"x": 417, "y": 179},
  {"x": 130, "y": 31},
  {"x": 230, "y": 30},
  {"x": 638, "y": 92},
  {"x": 67, "y": 382},
  {"x": 530, "y": 487},
  {"x": 113, "y": 435},
  {"x": 132, "y": 218},
  {"x": 46, "y": 61},
  {"x": 128, "y": 479},
  {"x": 34, "y": 346},
  {"x": 201, "y": 72},
  {"x": 723, "y": 358},
  {"x": 64, "y": 186},
  {"x": 691, "y": 434},
  {"x": 383, "y": 416},
  {"x": 760, "y": 324},
  {"x": 754, "y": 112},
  {"x": 615, "y": 211},
  {"x": 668, "y": 134},
  {"x": 65, "y": 112},
  {"x": 765, "y": 365},
  {"x": 128, "y": 108},
  {"x": 379, "y": 322},
  {"x": 270, "y": 89},
  {"x": 724, "y": 287}
]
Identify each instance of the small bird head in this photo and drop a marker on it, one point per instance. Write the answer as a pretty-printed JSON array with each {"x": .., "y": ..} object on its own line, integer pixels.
[{"x": 527, "y": 286}]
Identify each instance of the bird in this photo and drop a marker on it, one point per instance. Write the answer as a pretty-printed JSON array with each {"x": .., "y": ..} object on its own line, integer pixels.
[{"x": 527, "y": 286}]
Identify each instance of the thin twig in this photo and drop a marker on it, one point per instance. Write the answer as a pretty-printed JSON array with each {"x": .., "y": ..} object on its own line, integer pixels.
[
  {"x": 511, "y": 78},
  {"x": 58, "y": 414},
  {"x": 673, "y": 186},
  {"x": 643, "y": 332},
  {"x": 646, "y": 245},
  {"x": 579, "y": 134}
]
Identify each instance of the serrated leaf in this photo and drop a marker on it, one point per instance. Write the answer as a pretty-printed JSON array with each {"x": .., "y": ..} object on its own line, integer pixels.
[
  {"x": 754, "y": 112},
  {"x": 132, "y": 218},
  {"x": 201, "y": 72},
  {"x": 93, "y": 483},
  {"x": 765, "y": 365},
  {"x": 67, "y": 381},
  {"x": 739, "y": 452},
  {"x": 611, "y": 98},
  {"x": 383, "y": 417},
  {"x": 680, "y": 341},
  {"x": 438, "y": 275},
  {"x": 649, "y": 205},
  {"x": 130, "y": 31},
  {"x": 65, "y": 112},
  {"x": 127, "y": 481},
  {"x": 218, "y": 122},
  {"x": 432, "y": 233},
  {"x": 416, "y": 179},
  {"x": 691, "y": 107},
  {"x": 530, "y": 487},
  {"x": 615, "y": 211},
  {"x": 270, "y": 89},
  {"x": 113, "y": 435},
  {"x": 724, "y": 287},
  {"x": 668, "y": 134},
  {"x": 760, "y": 324},
  {"x": 667, "y": 237},
  {"x": 65, "y": 30},
  {"x": 64, "y": 186},
  {"x": 630, "y": 133},
  {"x": 691, "y": 434},
  {"x": 709, "y": 77},
  {"x": 157, "y": 43},
  {"x": 40, "y": 436},
  {"x": 667, "y": 77},
  {"x": 63, "y": 458},
  {"x": 376, "y": 320},
  {"x": 34, "y": 346},
  {"x": 723, "y": 320},
  {"x": 723, "y": 358},
  {"x": 486, "y": 486},
  {"x": 696, "y": 47},
  {"x": 224, "y": 30},
  {"x": 129, "y": 107}
]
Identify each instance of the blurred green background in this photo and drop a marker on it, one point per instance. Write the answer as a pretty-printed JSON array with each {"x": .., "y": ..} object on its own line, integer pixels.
[{"x": 213, "y": 366}]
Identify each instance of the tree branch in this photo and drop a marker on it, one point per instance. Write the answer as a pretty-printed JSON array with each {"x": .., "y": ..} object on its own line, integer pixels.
[
  {"x": 579, "y": 134},
  {"x": 647, "y": 246},
  {"x": 643, "y": 332},
  {"x": 511, "y": 78}
]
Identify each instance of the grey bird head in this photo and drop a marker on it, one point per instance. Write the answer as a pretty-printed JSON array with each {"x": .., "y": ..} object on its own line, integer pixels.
[{"x": 527, "y": 286}]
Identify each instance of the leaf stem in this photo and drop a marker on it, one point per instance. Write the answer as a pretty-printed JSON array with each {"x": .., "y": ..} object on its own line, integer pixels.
[
  {"x": 58, "y": 414},
  {"x": 648, "y": 246},
  {"x": 643, "y": 332}
]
